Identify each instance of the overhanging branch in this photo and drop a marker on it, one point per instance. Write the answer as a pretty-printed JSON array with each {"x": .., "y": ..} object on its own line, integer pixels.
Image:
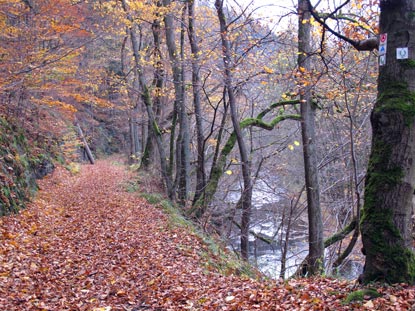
[{"x": 361, "y": 45}]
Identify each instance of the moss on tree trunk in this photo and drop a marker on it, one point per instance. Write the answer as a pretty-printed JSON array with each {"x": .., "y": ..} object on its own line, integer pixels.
[
  {"x": 206, "y": 197},
  {"x": 389, "y": 188},
  {"x": 386, "y": 216}
]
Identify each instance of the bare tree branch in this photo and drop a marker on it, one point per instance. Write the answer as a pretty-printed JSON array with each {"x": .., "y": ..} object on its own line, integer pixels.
[{"x": 360, "y": 45}]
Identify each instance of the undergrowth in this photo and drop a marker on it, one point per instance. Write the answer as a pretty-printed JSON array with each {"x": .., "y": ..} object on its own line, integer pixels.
[{"x": 216, "y": 256}]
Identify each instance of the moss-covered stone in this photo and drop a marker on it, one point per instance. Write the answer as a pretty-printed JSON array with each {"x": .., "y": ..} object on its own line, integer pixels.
[
  {"x": 361, "y": 295},
  {"x": 20, "y": 165}
]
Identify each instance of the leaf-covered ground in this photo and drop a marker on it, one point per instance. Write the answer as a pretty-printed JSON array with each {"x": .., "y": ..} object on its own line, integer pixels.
[{"x": 87, "y": 244}]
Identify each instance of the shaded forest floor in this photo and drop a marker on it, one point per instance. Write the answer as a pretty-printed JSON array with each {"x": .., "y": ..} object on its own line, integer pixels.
[{"x": 86, "y": 243}]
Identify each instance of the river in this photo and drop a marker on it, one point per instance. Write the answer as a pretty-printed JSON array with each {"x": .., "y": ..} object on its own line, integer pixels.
[{"x": 270, "y": 220}]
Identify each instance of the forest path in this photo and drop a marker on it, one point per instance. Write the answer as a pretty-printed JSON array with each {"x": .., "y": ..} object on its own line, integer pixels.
[{"x": 86, "y": 243}]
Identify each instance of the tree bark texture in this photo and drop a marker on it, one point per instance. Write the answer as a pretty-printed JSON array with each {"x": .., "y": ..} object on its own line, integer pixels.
[
  {"x": 196, "y": 85},
  {"x": 246, "y": 164},
  {"x": 158, "y": 83},
  {"x": 135, "y": 143},
  {"x": 386, "y": 215},
  {"x": 315, "y": 263},
  {"x": 134, "y": 135},
  {"x": 183, "y": 141},
  {"x": 219, "y": 161}
]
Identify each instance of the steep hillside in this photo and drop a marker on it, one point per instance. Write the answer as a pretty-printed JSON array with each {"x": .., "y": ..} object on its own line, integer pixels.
[
  {"x": 21, "y": 163},
  {"x": 86, "y": 243}
]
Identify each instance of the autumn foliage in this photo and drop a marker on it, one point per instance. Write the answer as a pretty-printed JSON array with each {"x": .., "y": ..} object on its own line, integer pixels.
[{"x": 87, "y": 244}]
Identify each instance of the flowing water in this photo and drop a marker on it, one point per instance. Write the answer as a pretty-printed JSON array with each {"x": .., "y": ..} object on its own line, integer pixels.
[{"x": 269, "y": 222}]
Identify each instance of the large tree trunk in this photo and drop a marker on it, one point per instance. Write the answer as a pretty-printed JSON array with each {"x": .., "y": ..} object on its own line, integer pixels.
[
  {"x": 386, "y": 230},
  {"x": 246, "y": 164},
  {"x": 315, "y": 263}
]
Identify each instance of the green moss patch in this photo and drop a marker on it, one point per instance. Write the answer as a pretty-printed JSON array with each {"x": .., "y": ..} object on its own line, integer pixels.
[
  {"x": 407, "y": 63},
  {"x": 361, "y": 295},
  {"x": 397, "y": 97},
  {"x": 21, "y": 162}
]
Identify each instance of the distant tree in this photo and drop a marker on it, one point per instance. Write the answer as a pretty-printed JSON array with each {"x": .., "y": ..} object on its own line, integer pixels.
[{"x": 144, "y": 91}]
